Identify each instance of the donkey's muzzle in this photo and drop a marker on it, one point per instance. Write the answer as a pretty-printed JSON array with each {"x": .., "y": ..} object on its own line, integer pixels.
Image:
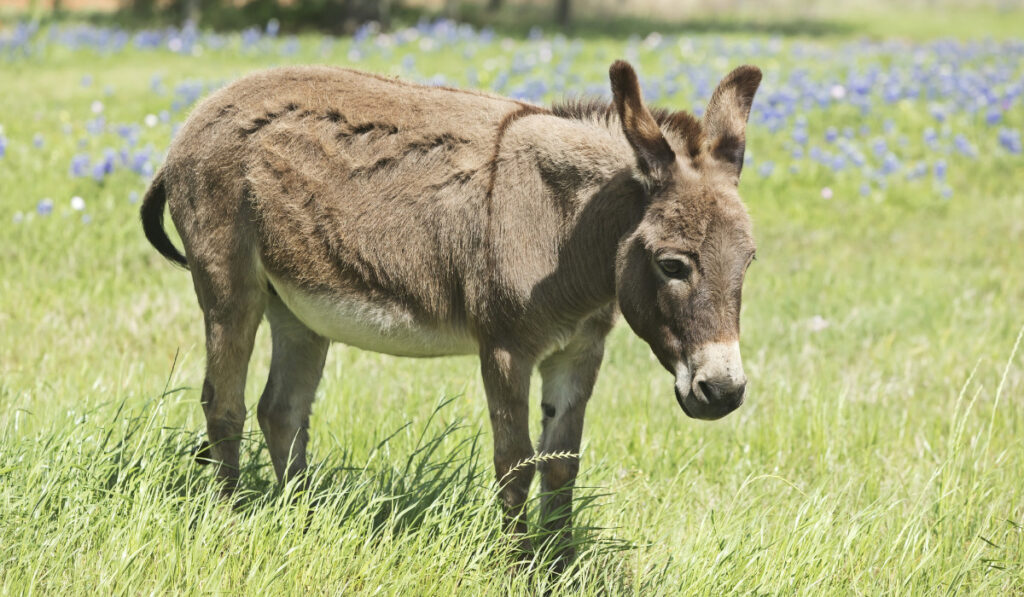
[{"x": 712, "y": 399}]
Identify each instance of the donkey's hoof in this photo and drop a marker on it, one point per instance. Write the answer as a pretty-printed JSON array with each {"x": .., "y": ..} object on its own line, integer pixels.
[
  {"x": 563, "y": 560},
  {"x": 202, "y": 453}
]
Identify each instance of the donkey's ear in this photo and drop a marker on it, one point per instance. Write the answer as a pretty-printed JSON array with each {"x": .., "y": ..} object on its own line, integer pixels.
[
  {"x": 725, "y": 121},
  {"x": 654, "y": 156}
]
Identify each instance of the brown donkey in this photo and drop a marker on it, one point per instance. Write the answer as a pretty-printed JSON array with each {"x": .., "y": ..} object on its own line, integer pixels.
[{"x": 425, "y": 221}]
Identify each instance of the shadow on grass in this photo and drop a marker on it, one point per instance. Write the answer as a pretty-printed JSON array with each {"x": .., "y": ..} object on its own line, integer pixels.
[{"x": 438, "y": 476}]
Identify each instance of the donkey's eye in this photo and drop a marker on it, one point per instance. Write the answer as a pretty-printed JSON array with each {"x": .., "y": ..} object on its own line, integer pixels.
[{"x": 674, "y": 268}]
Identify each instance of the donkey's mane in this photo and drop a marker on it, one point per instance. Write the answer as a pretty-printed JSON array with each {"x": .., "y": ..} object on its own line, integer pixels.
[{"x": 680, "y": 122}]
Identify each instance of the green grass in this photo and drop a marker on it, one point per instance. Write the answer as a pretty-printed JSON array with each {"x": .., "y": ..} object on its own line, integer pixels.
[{"x": 881, "y": 455}]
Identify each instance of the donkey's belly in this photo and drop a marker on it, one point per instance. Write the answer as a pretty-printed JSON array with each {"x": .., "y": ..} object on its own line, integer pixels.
[{"x": 380, "y": 327}]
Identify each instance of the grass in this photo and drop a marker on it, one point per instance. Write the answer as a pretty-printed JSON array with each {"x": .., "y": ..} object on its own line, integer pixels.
[{"x": 880, "y": 455}]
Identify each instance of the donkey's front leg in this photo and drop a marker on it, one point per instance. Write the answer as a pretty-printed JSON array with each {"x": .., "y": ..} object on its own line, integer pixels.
[
  {"x": 568, "y": 380},
  {"x": 507, "y": 383}
]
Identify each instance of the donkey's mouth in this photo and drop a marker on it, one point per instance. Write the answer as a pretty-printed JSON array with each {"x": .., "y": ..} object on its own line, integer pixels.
[
  {"x": 682, "y": 402},
  {"x": 695, "y": 408}
]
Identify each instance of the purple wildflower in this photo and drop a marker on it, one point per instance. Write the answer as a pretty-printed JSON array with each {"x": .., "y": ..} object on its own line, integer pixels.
[{"x": 1010, "y": 140}]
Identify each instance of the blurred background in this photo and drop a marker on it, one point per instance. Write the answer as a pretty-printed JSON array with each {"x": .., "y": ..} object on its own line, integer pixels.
[{"x": 345, "y": 16}]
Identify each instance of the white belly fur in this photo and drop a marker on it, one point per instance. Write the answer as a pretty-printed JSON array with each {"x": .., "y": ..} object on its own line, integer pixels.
[{"x": 386, "y": 328}]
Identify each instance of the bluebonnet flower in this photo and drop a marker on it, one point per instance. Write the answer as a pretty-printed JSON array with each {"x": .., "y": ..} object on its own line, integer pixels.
[
  {"x": 1010, "y": 140},
  {"x": 109, "y": 155},
  {"x": 98, "y": 172},
  {"x": 919, "y": 170},
  {"x": 44, "y": 207},
  {"x": 939, "y": 169},
  {"x": 139, "y": 161},
  {"x": 273, "y": 26},
  {"x": 930, "y": 137},
  {"x": 879, "y": 148},
  {"x": 993, "y": 116},
  {"x": 129, "y": 132},
  {"x": 964, "y": 146},
  {"x": 250, "y": 37},
  {"x": 79, "y": 165},
  {"x": 364, "y": 32},
  {"x": 890, "y": 164},
  {"x": 96, "y": 125},
  {"x": 3, "y": 145},
  {"x": 765, "y": 169}
]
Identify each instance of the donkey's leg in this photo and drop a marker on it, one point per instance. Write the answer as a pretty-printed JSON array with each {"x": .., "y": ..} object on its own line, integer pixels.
[
  {"x": 568, "y": 380},
  {"x": 507, "y": 383},
  {"x": 232, "y": 308},
  {"x": 296, "y": 365}
]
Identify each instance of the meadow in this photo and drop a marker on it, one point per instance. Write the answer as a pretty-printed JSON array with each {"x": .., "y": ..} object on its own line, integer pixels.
[{"x": 880, "y": 449}]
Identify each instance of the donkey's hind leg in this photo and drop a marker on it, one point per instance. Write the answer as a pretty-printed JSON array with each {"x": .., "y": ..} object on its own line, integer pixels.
[
  {"x": 296, "y": 365},
  {"x": 232, "y": 302}
]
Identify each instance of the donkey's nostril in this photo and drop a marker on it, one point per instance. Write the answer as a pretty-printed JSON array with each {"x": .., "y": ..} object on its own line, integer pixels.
[
  {"x": 719, "y": 392},
  {"x": 707, "y": 391}
]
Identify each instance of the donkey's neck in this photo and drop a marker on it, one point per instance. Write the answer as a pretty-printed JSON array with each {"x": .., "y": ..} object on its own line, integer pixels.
[{"x": 591, "y": 170}]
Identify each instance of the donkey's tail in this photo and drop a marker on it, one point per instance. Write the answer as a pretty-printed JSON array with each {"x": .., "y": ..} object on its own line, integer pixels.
[{"x": 152, "y": 214}]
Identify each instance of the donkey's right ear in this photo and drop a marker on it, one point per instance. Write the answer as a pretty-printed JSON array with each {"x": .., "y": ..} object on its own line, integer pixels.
[{"x": 654, "y": 155}]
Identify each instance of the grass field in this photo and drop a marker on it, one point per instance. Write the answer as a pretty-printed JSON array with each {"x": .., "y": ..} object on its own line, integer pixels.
[{"x": 880, "y": 451}]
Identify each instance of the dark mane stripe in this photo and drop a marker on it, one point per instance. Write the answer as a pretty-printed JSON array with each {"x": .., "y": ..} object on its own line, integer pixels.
[
  {"x": 582, "y": 108},
  {"x": 680, "y": 122}
]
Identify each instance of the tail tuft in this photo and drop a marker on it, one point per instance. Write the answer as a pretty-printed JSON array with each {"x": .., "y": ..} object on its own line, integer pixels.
[{"x": 152, "y": 214}]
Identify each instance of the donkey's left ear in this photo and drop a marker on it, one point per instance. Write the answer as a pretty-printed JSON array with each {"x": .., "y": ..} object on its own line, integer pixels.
[
  {"x": 654, "y": 155},
  {"x": 725, "y": 121}
]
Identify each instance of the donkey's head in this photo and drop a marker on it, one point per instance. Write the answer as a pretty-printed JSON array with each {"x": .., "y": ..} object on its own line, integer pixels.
[{"x": 679, "y": 276}]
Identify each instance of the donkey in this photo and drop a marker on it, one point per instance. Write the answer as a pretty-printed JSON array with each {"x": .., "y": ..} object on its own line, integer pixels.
[{"x": 428, "y": 221}]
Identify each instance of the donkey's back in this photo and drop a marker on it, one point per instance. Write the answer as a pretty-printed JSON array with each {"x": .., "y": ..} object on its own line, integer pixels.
[{"x": 359, "y": 200}]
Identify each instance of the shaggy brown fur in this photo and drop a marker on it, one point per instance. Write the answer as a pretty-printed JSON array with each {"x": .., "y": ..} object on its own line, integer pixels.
[{"x": 426, "y": 221}]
